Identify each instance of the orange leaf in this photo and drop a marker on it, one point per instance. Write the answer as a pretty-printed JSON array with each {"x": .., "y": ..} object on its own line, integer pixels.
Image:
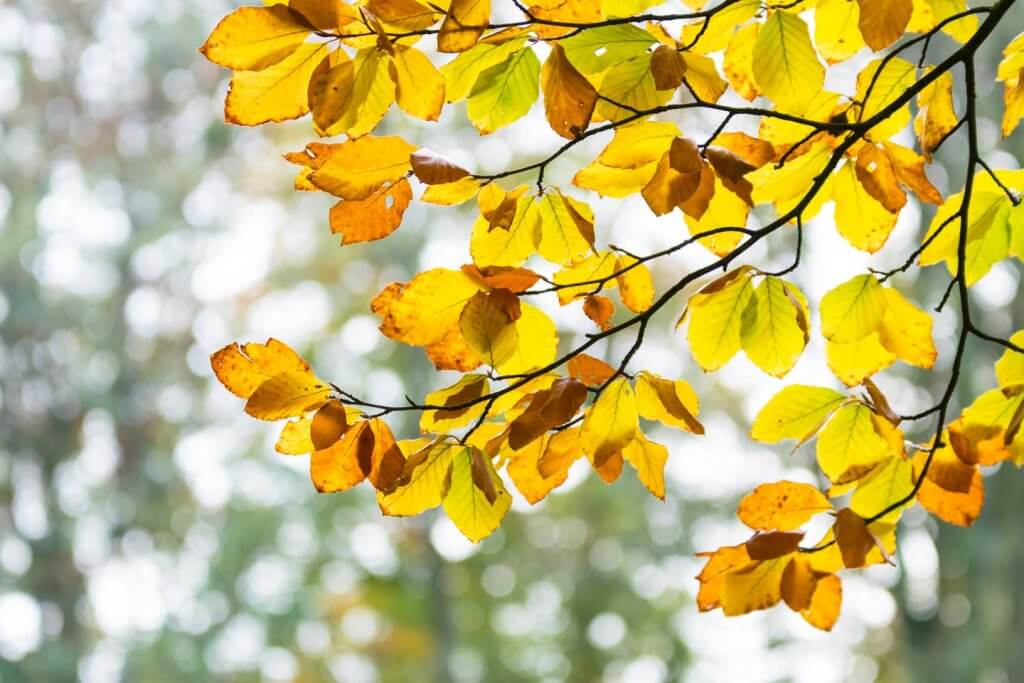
[
  {"x": 592, "y": 372},
  {"x": 372, "y": 218},
  {"x": 600, "y": 309},
  {"x": 782, "y": 506}
]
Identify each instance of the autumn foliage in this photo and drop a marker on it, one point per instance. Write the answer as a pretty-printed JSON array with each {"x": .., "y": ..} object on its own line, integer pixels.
[{"x": 531, "y": 406}]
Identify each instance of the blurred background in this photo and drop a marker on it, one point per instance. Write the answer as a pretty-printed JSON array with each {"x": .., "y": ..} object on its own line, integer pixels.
[{"x": 148, "y": 531}]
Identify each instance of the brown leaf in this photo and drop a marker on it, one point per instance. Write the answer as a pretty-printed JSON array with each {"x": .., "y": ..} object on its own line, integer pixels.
[
  {"x": 772, "y": 545},
  {"x": 731, "y": 169},
  {"x": 433, "y": 169},
  {"x": 667, "y": 67},
  {"x": 328, "y": 425},
  {"x": 569, "y": 98}
]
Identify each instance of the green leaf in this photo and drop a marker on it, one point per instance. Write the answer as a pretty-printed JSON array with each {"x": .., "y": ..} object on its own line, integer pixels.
[
  {"x": 785, "y": 65},
  {"x": 504, "y": 92},
  {"x": 595, "y": 50}
]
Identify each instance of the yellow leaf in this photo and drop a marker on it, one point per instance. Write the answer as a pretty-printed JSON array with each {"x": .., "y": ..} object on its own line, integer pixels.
[
  {"x": 1010, "y": 366},
  {"x": 423, "y": 311},
  {"x": 935, "y": 114},
  {"x": 702, "y": 76},
  {"x": 888, "y": 483},
  {"x": 487, "y": 325},
  {"x": 253, "y": 38},
  {"x": 358, "y": 168},
  {"x": 420, "y": 486},
  {"x": 408, "y": 15},
  {"x": 739, "y": 62},
  {"x": 826, "y": 601},
  {"x": 468, "y": 388},
  {"x": 419, "y": 86},
  {"x": 597, "y": 266},
  {"x": 853, "y": 361},
  {"x": 325, "y": 15},
  {"x": 792, "y": 180},
  {"x": 726, "y": 209},
  {"x": 569, "y": 98},
  {"x": 475, "y": 498},
  {"x": 538, "y": 342},
  {"x": 563, "y": 449},
  {"x": 673, "y": 403},
  {"x": 568, "y": 11},
  {"x": 853, "y": 310},
  {"x": 294, "y": 438},
  {"x": 796, "y": 412},
  {"x": 960, "y": 30},
  {"x": 566, "y": 228},
  {"x": 276, "y": 93},
  {"x": 774, "y": 326},
  {"x": 782, "y": 506},
  {"x": 528, "y": 480},
  {"x": 463, "y": 25},
  {"x": 757, "y": 586},
  {"x": 361, "y": 105},
  {"x": 887, "y": 82},
  {"x": 785, "y": 64},
  {"x": 882, "y": 22},
  {"x": 452, "y": 194},
  {"x": 648, "y": 458},
  {"x": 860, "y": 219},
  {"x": 1011, "y": 74},
  {"x": 712, "y": 34},
  {"x": 906, "y": 331},
  {"x": 631, "y": 84},
  {"x": 288, "y": 394},
  {"x": 330, "y": 89},
  {"x": 497, "y": 247},
  {"x": 504, "y": 92},
  {"x": 373, "y": 218},
  {"x": 242, "y": 369},
  {"x": 611, "y": 422},
  {"x": 630, "y": 160},
  {"x": 636, "y": 287},
  {"x": 849, "y": 445},
  {"x": 716, "y": 319},
  {"x": 836, "y": 34}
]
